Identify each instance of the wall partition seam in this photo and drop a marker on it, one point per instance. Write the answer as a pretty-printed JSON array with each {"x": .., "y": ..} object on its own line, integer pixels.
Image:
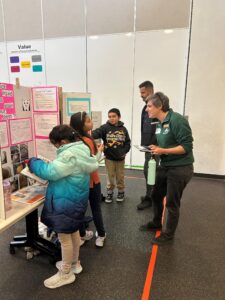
[
  {"x": 43, "y": 40},
  {"x": 86, "y": 42},
  {"x": 2, "y": 210},
  {"x": 4, "y": 34},
  {"x": 133, "y": 87},
  {"x": 188, "y": 54}
]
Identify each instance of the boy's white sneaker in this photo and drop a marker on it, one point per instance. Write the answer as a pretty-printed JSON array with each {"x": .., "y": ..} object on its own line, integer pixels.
[
  {"x": 82, "y": 242},
  {"x": 88, "y": 236},
  {"x": 59, "y": 279},
  {"x": 76, "y": 268},
  {"x": 109, "y": 198},
  {"x": 120, "y": 197},
  {"x": 99, "y": 242}
]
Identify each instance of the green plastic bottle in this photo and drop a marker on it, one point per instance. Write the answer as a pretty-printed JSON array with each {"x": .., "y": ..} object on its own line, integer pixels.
[{"x": 151, "y": 171}]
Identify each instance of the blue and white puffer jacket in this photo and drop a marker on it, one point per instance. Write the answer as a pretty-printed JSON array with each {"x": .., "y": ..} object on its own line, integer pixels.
[{"x": 68, "y": 189}]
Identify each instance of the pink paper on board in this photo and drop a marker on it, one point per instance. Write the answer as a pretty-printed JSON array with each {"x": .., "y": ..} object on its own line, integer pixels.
[
  {"x": 7, "y": 101},
  {"x": 36, "y": 115},
  {"x": 55, "y": 103},
  {"x": 6, "y": 144},
  {"x": 23, "y": 138}
]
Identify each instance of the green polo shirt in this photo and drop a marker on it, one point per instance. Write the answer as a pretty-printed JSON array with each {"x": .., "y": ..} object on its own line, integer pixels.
[{"x": 175, "y": 131}]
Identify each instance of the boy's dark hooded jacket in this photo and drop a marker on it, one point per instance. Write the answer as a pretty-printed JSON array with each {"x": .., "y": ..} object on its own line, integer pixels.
[{"x": 116, "y": 140}]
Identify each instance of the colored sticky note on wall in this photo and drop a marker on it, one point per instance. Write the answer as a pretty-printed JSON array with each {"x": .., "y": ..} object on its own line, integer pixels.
[
  {"x": 14, "y": 59},
  {"x": 37, "y": 68},
  {"x": 15, "y": 69},
  {"x": 25, "y": 64},
  {"x": 36, "y": 58}
]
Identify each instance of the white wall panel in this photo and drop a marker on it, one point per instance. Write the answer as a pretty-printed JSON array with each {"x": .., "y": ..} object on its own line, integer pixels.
[
  {"x": 2, "y": 38},
  {"x": 66, "y": 63},
  {"x": 71, "y": 14},
  {"x": 162, "y": 14},
  {"x": 206, "y": 86},
  {"x": 110, "y": 75},
  {"x": 22, "y": 19},
  {"x": 110, "y": 16},
  {"x": 162, "y": 59},
  {"x": 3, "y": 64}
]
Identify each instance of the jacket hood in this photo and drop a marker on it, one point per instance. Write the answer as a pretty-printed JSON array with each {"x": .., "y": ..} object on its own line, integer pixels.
[{"x": 67, "y": 146}]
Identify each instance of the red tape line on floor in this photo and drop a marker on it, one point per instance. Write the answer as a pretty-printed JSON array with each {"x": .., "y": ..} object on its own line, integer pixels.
[
  {"x": 150, "y": 272},
  {"x": 151, "y": 266}
]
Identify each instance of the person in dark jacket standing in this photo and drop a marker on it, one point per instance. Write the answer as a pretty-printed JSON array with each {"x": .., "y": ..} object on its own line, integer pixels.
[
  {"x": 116, "y": 145},
  {"x": 147, "y": 138}
]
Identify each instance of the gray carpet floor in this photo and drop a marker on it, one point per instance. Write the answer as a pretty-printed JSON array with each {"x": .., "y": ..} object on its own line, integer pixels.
[{"x": 192, "y": 267}]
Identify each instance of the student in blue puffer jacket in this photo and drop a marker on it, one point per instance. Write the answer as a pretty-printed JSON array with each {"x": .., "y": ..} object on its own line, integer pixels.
[{"x": 66, "y": 197}]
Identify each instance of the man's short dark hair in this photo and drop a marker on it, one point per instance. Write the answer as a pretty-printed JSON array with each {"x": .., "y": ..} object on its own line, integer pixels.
[
  {"x": 147, "y": 84},
  {"x": 116, "y": 111}
]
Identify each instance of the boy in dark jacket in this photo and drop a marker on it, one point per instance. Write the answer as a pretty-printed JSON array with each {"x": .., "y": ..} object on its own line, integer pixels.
[{"x": 116, "y": 145}]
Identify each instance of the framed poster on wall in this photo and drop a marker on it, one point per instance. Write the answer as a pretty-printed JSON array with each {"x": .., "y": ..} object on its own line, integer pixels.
[{"x": 74, "y": 102}]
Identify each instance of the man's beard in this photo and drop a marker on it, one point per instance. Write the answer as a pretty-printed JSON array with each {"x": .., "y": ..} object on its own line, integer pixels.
[{"x": 144, "y": 99}]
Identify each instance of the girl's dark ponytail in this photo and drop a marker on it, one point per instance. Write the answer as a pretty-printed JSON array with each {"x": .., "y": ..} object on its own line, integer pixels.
[{"x": 77, "y": 121}]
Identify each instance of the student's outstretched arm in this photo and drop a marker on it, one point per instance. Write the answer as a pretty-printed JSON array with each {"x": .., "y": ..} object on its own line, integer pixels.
[
  {"x": 99, "y": 133},
  {"x": 63, "y": 166}
]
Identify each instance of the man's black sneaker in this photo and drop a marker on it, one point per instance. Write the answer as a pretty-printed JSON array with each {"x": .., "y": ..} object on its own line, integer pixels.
[
  {"x": 164, "y": 238},
  {"x": 150, "y": 226},
  {"x": 145, "y": 203},
  {"x": 120, "y": 197},
  {"x": 143, "y": 198}
]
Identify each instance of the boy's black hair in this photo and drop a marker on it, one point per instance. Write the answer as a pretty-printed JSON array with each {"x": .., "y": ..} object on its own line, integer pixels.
[
  {"x": 63, "y": 132},
  {"x": 115, "y": 111},
  {"x": 77, "y": 121},
  {"x": 147, "y": 84}
]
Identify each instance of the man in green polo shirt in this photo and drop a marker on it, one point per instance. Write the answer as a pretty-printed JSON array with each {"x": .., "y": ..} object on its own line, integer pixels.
[{"x": 175, "y": 143}]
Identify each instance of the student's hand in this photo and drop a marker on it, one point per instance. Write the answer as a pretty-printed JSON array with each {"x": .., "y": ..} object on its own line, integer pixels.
[
  {"x": 30, "y": 161},
  {"x": 100, "y": 147},
  {"x": 156, "y": 150}
]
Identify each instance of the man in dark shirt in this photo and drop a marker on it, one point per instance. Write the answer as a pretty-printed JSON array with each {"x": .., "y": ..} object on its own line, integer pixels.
[{"x": 147, "y": 138}]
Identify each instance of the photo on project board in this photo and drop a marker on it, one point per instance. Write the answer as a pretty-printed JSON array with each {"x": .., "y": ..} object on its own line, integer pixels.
[
  {"x": 24, "y": 154},
  {"x": 22, "y": 180},
  {"x": 14, "y": 184},
  {"x": 3, "y": 157},
  {"x": 18, "y": 167},
  {"x": 6, "y": 171},
  {"x": 26, "y": 103},
  {"x": 15, "y": 154}
]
